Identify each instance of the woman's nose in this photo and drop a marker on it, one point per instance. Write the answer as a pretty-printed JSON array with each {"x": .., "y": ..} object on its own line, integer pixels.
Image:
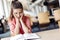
[{"x": 18, "y": 15}]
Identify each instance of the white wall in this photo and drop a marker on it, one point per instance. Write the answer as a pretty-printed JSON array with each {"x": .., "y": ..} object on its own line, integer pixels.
[
  {"x": 6, "y": 8},
  {"x": 59, "y": 2},
  {"x": 1, "y": 9}
]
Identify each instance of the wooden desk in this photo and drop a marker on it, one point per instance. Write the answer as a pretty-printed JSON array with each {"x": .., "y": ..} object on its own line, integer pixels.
[
  {"x": 50, "y": 35},
  {"x": 47, "y": 35}
]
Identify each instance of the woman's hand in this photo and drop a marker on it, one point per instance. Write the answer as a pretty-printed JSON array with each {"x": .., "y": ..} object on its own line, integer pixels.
[
  {"x": 21, "y": 17},
  {"x": 17, "y": 26}
]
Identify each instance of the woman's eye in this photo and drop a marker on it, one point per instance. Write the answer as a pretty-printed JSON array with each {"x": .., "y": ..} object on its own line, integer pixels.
[{"x": 15, "y": 13}]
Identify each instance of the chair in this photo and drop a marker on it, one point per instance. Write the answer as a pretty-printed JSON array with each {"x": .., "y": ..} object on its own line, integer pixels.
[
  {"x": 59, "y": 23},
  {"x": 47, "y": 12},
  {"x": 57, "y": 15},
  {"x": 43, "y": 18},
  {"x": 1, "y": 27}
]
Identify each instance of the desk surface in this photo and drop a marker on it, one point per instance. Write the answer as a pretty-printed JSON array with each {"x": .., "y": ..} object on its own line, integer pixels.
[
  {"x": 47, "y": 35},
  {"x": 50, "y": 35}
]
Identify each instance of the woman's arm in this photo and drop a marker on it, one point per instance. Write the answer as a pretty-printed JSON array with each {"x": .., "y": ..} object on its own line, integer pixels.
[
  {"x": 27, "y": 27},
  {"x": 24, "y": 27},
  {"x": 17, "y": 26},
  {"x": 14, "y": 28}
]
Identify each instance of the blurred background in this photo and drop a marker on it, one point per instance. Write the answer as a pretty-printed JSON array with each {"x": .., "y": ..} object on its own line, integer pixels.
[{"x": 31, "y": 8}]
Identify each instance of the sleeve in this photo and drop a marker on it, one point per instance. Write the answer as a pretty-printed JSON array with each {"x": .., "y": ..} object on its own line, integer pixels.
[{"x": 12, "y": 27}]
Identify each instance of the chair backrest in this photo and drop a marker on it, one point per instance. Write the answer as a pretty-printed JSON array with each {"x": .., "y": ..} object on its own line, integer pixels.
[
  {"x": 57, "y": 15},
  {"x": 43, "y": 18},
  {"x": 59, "y": 24},
  {"x": 47, "y": 12}
]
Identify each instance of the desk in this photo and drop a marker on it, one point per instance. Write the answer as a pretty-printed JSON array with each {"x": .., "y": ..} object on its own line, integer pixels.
[
  {"x": 50, "y": 35},
  {"x": 47, "y": 35}
]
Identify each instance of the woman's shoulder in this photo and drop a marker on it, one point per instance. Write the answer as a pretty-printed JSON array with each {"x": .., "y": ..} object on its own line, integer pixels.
[{"x": 26, "y": 17}]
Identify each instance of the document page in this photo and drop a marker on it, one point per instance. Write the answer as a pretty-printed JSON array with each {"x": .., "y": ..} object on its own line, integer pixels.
[
  {"x": 17, "y": 37},
  {"x": 29, "y": 36}
]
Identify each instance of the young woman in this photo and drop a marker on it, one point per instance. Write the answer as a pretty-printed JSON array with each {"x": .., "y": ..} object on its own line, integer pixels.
[{"x": 19, "y": 24}]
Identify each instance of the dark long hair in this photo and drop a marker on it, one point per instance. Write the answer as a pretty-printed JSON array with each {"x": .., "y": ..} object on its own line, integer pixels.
[{"x": 15, "y": 5}]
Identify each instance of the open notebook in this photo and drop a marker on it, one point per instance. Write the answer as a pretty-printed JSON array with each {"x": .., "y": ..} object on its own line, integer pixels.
[{"x": 31, "y": 36}]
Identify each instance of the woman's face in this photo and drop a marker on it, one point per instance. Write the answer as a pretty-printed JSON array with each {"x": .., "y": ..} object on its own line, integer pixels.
[{"x": 17, "y": 13}]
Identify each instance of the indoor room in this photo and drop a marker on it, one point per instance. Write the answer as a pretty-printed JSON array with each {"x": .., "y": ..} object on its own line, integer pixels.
[{"x": 30, "y": 19}]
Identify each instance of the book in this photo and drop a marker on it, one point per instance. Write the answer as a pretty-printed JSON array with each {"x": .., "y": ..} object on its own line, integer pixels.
[{"x": 29, "y": 36}]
